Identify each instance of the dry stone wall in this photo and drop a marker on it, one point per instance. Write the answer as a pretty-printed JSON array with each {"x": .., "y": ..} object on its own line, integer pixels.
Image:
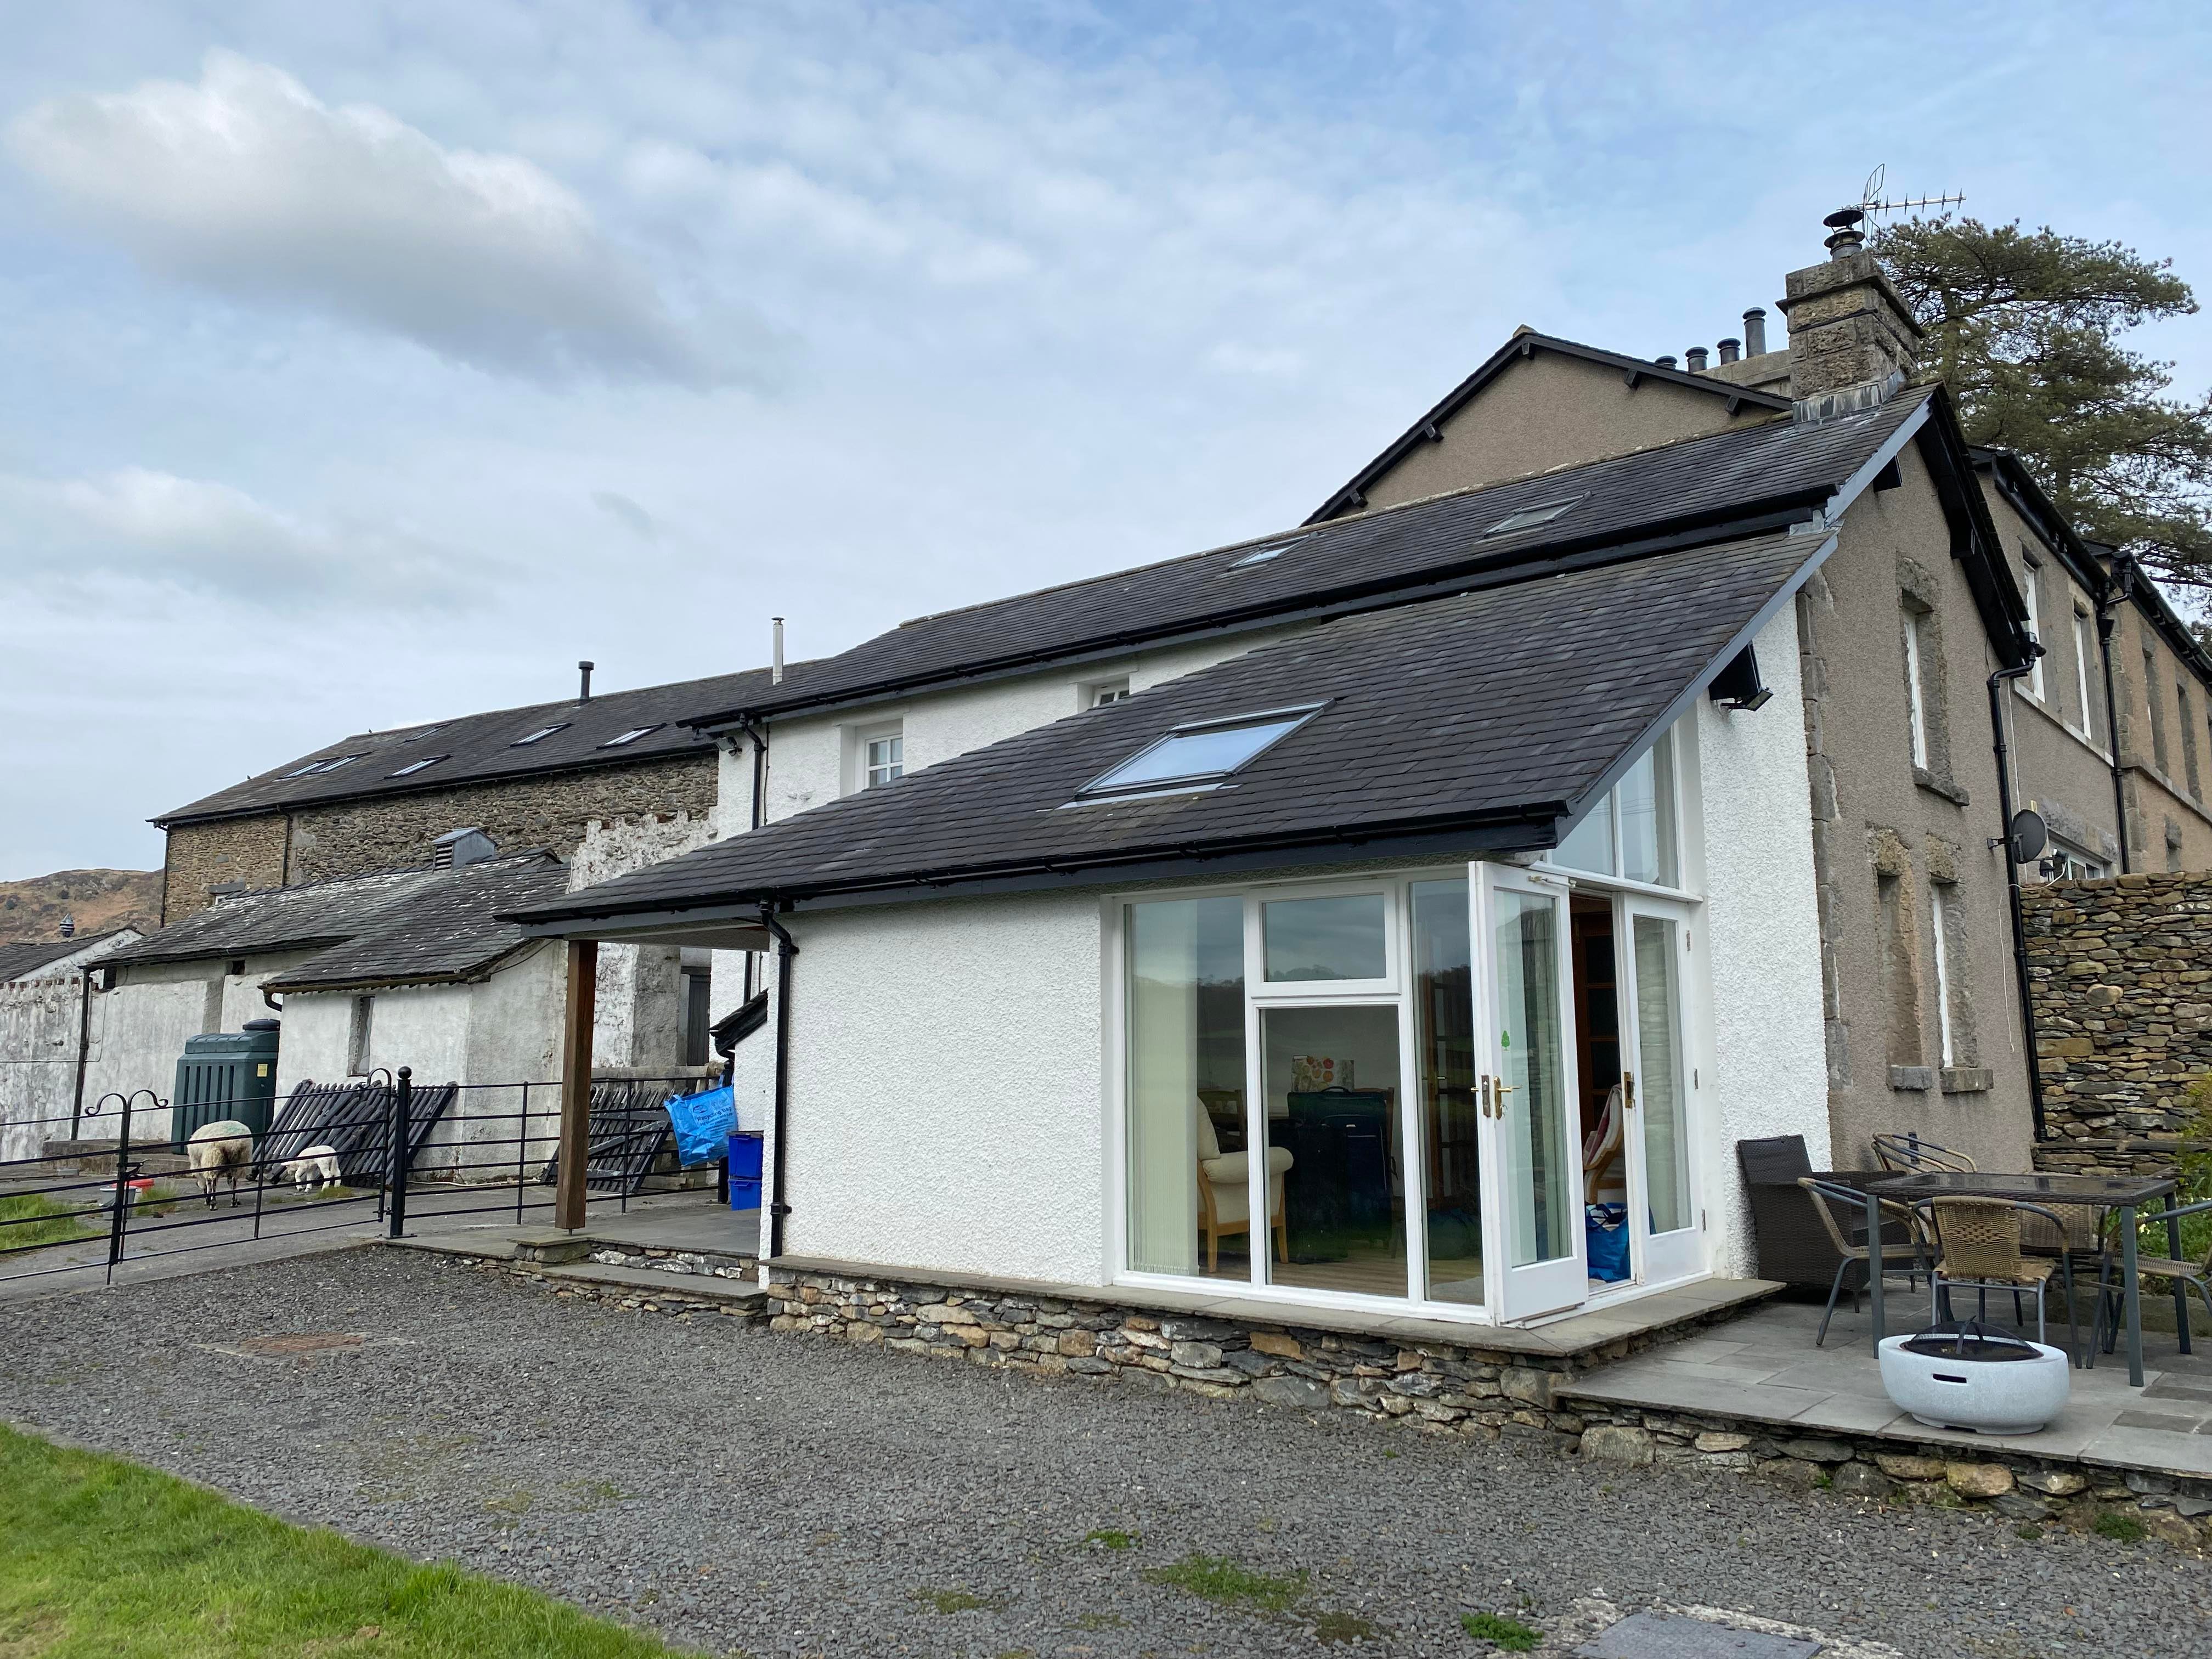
[{"x": 2121, "y": 974}]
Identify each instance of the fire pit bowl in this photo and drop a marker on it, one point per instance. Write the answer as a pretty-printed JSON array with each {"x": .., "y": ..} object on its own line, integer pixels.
[{"x": 1965, "y": 1378}]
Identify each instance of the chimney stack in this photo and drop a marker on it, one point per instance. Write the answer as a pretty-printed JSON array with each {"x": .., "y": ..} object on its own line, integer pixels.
[
  {"x": 1754, "y": 331},
  {"x": 775, "y": 652},
  {"x": 1694, "y": 360},
  {"x": 585, "y": 693},
  {"x": 1852, "y": 339},
  {"x": 1731, "y": 350}
]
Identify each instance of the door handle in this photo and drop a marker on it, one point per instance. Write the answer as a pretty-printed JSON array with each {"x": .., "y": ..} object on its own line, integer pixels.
[
  {"x": 1628, "y": 1091},
  {"x": 1482, "y": 1096}
]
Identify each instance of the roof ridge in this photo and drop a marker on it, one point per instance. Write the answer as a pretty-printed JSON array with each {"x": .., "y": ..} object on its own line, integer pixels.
[{"x": 555, "y": 703}]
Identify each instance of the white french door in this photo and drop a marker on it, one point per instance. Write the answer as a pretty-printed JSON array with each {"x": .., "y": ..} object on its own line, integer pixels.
[
  {"x": 1658, "y": 1088},
  {"x": 1530, "y": 1141}
]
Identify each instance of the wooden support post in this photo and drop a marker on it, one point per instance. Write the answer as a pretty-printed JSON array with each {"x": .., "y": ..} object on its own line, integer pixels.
[{"x": 576, "y": 1082}]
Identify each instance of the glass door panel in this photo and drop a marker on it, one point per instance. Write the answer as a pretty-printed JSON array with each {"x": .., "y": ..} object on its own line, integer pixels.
[
  {"x": 1660, "y": 1129},
  {"x": 1336, "y": 1192},
  {"x": 1530, "y": 1150},
  {"x": 1450, "y": 1127}
]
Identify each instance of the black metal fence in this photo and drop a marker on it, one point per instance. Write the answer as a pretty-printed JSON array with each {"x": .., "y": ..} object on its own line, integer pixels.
[{"x": 356, "y": 1156}]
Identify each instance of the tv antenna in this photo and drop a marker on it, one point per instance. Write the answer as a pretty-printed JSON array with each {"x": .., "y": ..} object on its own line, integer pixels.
[{"x": 1871, "y": 201}]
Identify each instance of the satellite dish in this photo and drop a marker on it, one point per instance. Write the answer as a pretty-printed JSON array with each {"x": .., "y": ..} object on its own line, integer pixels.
[{"x": 2027, "y": 836}]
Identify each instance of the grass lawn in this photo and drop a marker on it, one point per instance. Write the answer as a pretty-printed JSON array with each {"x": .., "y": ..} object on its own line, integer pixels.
[
  {"x": 29, "y": 1218},
  {"x": 99, "y": 1557}
]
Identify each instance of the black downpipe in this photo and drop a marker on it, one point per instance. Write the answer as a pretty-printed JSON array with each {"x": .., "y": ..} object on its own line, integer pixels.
[
  {"x": 758, "y": 735},
  {"x": 83, "y": 1043},
  {"x": 787, "y": 952},
  {"x": 2011, "y": 879},
  {"x": 2117, "y": 587}
]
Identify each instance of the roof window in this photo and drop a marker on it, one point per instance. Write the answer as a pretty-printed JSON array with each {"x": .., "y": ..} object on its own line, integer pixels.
[
  {"x": 1529, "y": 517},
  {"x": 416, "y": 766},
  {"x": 316, "y": 769},
  {"x": 631, "y": 736},
  {"x": 540, "y": 734},
  {"x": 1262, "y": 554},
  {"x": 1203, "y": 752}
]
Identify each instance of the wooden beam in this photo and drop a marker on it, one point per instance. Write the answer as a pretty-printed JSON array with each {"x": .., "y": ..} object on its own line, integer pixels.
[{"x": 576, "y": 1082}]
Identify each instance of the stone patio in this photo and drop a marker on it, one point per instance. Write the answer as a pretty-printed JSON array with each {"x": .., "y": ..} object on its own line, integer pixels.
[{"x": 1762, "y": 1368}]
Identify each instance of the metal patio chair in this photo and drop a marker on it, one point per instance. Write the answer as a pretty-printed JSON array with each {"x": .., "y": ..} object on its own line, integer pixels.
[
  {"x": 1826, "y": 1196},
  {"x": 1908, "y": 1154},
  {"x": 1977, "y": 1248},
  {"x": 2198, "y": 1275},
  {"x": 2075, "y": 1232}
]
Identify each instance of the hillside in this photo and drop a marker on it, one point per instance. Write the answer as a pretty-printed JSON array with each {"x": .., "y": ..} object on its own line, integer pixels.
[{"x": 100, "y": 899}]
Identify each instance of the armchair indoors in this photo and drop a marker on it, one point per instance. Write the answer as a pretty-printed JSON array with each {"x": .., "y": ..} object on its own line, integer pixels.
[{"x": 1224, "y": 1202}]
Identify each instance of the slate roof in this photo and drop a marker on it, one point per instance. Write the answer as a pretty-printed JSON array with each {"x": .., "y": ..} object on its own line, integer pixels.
[
  {"x": 1499, "y": 710},
  {"x": 1353, "y": 493},
  {"x": 279, "y": 918},
  {"x": 447, "y": 930},
  {"x": 477, "y": 747},
  {"x": 1752, "y": 478},
  {"x": 20, "y": 961}
]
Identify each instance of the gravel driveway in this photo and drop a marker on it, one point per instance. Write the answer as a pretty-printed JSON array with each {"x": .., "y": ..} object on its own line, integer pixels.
[{"x": 740, "y": 1491}]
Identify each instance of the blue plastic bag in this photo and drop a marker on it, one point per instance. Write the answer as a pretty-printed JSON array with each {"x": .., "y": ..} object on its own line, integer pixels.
[
  {"x": 1606, "y": 1225},
  {"x": 703, "y": 1124}
]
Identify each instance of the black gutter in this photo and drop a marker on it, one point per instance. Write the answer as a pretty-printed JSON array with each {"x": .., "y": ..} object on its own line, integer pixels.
[
  {"x": 2118, "y": 589},
  {"x": 786, "y": 953},
  {"x": 1732, "y": 523},
  {"x": 1997, "y": 684}
]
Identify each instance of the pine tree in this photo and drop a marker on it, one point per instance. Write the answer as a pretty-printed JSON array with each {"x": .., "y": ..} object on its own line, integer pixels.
[{"x": 2024, "y": 328}]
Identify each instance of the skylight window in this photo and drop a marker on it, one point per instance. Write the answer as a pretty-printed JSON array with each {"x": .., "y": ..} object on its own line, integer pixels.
[
  {"x": 317, "y": 768},
  {"x": 1261, "y": 555},
  {"x": 631, "y": 736},
  {"x": 1529, "y": 517},
  {"x": 1201, "y": 753},
  {"x": 539, "y": 735},
  {"x": 416, "y": 766}
]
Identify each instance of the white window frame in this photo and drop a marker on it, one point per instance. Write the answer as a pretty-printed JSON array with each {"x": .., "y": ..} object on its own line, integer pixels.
[
  {"x": 1263, "y": 989},
  {"x": 1097, "y": 694},
  {"x": 1945, "y": 1034},
  {"x": 1915, "y": 688},
  {"x": 857, "y": 738},
  {"x": 2085, "y": 642},
  {"x": 2031, "y": 587},
  {"x": 1611, "y": 802},
  {"x": 876, "y": 772}
]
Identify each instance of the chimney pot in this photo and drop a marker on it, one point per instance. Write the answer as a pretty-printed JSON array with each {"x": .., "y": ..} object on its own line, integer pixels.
[
  {"x": 1664, "y": 362},
  {"x": 1731, "y": 350},
  {"x": 1853, "y": 340},
  {"x": 584, "y": 694},
  {"x": 1754, "y": 331},
  {"x": 1847, "y": 237},
  {"x": 1695, "y": 358}
]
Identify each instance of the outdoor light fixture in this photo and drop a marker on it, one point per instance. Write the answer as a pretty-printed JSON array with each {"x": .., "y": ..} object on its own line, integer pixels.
[{"x": 1739, "y": 686}]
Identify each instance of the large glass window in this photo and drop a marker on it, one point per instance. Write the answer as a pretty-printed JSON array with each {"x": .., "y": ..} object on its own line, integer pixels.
[
  {"x": 1444, "y": 1044},
  {"x": 1332, "y": 1100},
  {"x": 1327, "y": 938},
  {"x": 1189, "y": 1209},
  {"x": 1631, "y": 831}
]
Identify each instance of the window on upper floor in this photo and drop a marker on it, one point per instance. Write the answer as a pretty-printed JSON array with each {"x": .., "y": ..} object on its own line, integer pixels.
[
  {"x": 2085, "y": 651},
  {"x": 414, "y": 765},
  {"x": 539, "y": 735},
  {"x": 883, "y": 760},
  {"x": 1099, "y": 693},
  {"x": 632, "y": 736},
  {"x": 2157, "y": 706},
  {"x": 2188, "y": 739},
  {"x": 2031, "y": 588},
  {"x": 1917, "y": 666},
  {"x": 1200, "y": 754}
]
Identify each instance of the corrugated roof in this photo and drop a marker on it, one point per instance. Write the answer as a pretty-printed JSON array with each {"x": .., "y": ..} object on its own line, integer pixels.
[
  {"x": 1511, "y": 703},
  {"x": 448, "y": 930},
  {"x": 477, "y": 747},
  {"x": 1724, "y": 479}
]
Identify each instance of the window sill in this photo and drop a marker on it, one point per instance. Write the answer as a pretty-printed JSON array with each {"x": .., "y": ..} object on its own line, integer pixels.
[
  {"x": 1968, "y": 1080},
  {"x": 1912, "y": 1076},
  {"x": 1943, "y": 787}
]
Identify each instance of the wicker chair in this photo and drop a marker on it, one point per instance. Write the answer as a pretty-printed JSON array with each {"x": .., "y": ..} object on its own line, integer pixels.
[
  {"x": 1977, "y": 1242},
  {"x": 2072, "y": 1232},
  {"x": 1826, "y": 1196}
]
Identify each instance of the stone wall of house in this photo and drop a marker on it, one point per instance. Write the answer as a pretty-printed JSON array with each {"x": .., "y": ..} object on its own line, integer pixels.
[
  {"x": 204, "y": 856},
  {"x": 390, "y": 832},
  {"x": 2121, "y": 974}
]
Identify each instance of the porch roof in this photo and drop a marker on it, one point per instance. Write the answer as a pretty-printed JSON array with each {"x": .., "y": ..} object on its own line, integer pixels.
[
  {"x": 449, "y": 931},
  {"x": 1480, "y": 720}
]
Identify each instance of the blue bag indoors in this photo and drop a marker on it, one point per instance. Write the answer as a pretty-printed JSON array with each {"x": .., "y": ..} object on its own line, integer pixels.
[
  {"x": 703, "y": 1124},
  {"x": 1607, "y": 1227}
]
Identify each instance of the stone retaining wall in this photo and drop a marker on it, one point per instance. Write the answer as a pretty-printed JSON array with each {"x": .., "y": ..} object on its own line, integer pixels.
[{"x": 2121, "y": 974}]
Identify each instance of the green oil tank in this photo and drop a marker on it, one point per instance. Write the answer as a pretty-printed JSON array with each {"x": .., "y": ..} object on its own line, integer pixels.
[{"x": 226, "y": 1075}]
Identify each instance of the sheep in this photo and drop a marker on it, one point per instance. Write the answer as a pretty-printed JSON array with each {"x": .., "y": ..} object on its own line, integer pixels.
[
  {"x": 220, "y": 1152},
  {"x": 317, "y": 1167}
]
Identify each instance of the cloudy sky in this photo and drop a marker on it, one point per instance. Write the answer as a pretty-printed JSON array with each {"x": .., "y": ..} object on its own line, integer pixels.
[{"x": 368, "y": 362}]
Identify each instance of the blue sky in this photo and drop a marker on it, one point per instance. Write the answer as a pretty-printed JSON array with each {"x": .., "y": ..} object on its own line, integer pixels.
[{"x": 371, "y": 363}]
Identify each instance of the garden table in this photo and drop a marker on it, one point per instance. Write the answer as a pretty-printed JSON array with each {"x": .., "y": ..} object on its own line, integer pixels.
[{"x": 2125, "y": 1193}]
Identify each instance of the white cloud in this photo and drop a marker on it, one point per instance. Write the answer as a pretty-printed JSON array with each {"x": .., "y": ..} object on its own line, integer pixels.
[
  {"x": 138, "y": 528},
  {"x": 627, "y": 513},
  {"x": 249, "y": 184}
]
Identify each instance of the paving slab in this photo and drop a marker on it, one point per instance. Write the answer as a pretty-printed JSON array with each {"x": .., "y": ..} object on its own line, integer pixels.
[{"x": 1677, "y": 1636}]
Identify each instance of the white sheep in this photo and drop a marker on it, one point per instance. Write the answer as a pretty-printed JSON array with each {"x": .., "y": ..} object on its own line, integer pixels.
[
  {"x": 316, "y": 1167},
  {"x": 220, "y": 1151}
]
